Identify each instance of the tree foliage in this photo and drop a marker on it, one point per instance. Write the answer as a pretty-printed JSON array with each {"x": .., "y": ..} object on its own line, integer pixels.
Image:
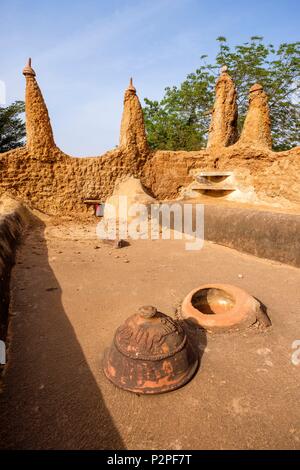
[
  {"x": 181, "y": 119},
  {"x": 12, "y": 127}
]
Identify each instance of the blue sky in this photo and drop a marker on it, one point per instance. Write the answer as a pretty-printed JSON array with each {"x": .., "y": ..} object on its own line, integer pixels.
[{"x": 85, "y": 51}]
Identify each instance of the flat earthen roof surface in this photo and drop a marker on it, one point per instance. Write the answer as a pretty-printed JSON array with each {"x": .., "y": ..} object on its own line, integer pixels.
[{"x": 68, "y": 297}]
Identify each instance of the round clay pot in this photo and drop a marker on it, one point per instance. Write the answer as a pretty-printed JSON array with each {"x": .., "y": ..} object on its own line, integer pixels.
[{"x": 217, "y": 307}]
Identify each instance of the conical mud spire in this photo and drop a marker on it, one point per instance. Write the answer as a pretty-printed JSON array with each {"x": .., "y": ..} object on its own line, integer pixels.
[
  {"x": 223, "y": 127},
  {"x": 133, "y": 134},
  {"x": 257, "y": 126},
  {"x": 38, "y": 127}
]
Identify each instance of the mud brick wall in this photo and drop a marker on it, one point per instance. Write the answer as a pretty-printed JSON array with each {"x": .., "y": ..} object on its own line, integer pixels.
[
  {"x": 47, "y": 179},
  {"x": 59, "y": 184},
  {"x": 13, "y": 219}
]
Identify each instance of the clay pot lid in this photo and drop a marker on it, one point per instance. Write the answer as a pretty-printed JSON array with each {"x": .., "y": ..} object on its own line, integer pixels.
[
  {"x": 150, "y": 354},
  {"x": 149, "y": 335}
]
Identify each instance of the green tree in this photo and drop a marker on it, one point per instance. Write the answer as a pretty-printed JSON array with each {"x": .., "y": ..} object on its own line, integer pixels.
[
  {"x": 12, "y": 127},
  {"x": 181, "y": 119}
]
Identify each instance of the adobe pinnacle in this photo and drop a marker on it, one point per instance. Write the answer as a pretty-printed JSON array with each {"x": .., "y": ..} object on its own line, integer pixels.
[{"x": 28, "y": 70}]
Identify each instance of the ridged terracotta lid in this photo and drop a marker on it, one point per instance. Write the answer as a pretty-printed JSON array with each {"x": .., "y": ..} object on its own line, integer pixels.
[
  {"x": 150, "y": 354},
  {"x": 149, "y": 335}
]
